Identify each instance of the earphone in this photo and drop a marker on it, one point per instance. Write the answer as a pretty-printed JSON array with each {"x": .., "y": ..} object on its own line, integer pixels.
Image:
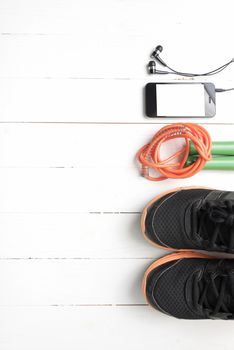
[
  {"x": 155, "y": 54},
  {"x": 151, "y": 67}
]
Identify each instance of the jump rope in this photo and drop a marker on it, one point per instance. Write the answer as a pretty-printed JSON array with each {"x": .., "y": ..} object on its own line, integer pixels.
[{"x": 198, "y": 153}]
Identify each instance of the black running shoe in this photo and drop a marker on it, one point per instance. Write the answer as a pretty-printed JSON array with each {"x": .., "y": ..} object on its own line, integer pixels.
[
  {"x": 190, "y": 285},
  {"x": 191, "y": 219}
]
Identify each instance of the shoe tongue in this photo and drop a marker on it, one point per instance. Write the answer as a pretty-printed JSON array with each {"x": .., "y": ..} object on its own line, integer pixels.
[{"x": 210, "y": 214}]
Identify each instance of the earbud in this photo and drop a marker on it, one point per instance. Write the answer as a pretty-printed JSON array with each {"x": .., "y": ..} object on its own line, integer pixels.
[
  {"x": 155, "y": 54},
  {"x": 151, "y": 67},
  {"x": 157, "y": 51}
]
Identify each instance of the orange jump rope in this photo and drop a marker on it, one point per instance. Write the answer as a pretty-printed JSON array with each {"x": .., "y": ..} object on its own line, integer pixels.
[{"x": 173, "y": 166}]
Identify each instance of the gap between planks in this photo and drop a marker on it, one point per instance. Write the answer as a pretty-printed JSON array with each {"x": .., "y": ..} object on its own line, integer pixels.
[
  {"x": 74, "y": 305},
  {"x": 160, "y": 122}
]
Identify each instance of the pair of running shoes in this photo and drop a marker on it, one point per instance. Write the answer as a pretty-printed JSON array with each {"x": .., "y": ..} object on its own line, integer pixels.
[{"x": 189, "y": 284}]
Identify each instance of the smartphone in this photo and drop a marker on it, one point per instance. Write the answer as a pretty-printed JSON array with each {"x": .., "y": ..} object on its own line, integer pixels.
[{"x": 180, "y": 100}]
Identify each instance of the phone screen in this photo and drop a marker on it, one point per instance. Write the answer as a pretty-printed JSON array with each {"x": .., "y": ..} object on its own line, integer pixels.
[
  {"x": 180, "y": 99},
  {"x": 183, "y": 99}
]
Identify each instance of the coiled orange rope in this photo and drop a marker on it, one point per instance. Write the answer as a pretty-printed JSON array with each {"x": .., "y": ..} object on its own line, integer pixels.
[{"x": 173, "y": 166}]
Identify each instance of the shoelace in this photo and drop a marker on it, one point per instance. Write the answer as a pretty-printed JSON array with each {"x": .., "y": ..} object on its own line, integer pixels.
[
  {"x": 216, "y": 223},
  {"x": 211, "y": 296}
]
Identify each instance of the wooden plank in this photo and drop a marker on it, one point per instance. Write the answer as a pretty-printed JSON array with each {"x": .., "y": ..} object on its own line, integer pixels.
[
  {"x": 90, "y": 190},
  {"x": 102, "y": 101},
  {"x": 97, "y": 55},
  {"x": 73, "y": 236},
  {"x": 106, "y": 327},
  {"x": 31, "y": 282},
  {"x": 84, "y": 146}
]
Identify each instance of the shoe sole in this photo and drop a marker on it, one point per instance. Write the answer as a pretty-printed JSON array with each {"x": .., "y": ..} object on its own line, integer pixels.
[
  {"x": 169, "y": 258},
  {"x": 145, "y": 211}
]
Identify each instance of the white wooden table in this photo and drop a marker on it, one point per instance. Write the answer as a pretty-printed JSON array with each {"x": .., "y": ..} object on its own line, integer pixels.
[{"x": 71, "y": 110}]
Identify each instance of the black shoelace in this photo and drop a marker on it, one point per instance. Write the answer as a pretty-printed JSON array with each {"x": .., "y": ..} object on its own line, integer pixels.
[
  {"x": 213, "y": 294},
  {"x": 215, "y": 223}
]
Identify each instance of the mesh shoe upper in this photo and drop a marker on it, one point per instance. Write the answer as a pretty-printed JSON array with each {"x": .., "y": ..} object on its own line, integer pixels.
[
  {"x": 173, "y": 221},
  {"x": 193, "y": 288}
]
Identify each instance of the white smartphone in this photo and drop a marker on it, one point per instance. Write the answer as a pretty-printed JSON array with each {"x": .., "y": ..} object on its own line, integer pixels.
[{"x": 180, "y": 100}]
